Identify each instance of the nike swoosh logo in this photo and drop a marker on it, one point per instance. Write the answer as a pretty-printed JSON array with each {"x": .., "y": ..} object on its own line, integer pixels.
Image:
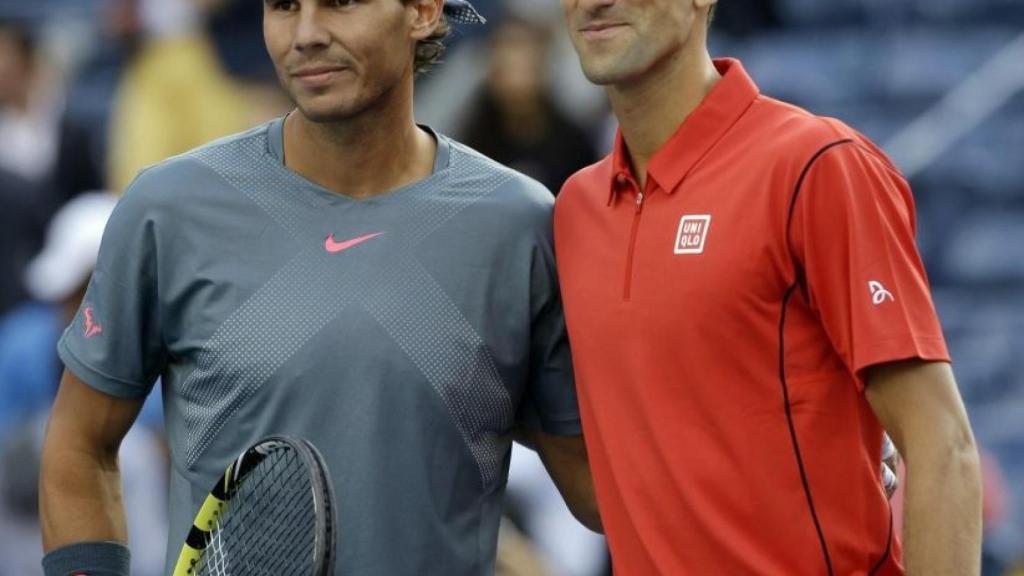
[{"x": 335, "y": 247}]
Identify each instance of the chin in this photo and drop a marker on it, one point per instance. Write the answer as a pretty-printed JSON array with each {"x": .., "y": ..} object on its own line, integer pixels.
[
  {"x": 617, "y": 69},
  {"x": 332, "y": 111},
  {"x": 605, "y": 75},
  {"x": 600, "y": 76},
  {"x": 321, "y": 115}
]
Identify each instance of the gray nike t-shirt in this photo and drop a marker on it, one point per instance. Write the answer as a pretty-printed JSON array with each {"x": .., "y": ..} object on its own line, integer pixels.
[{"x": 404, "y": 335}]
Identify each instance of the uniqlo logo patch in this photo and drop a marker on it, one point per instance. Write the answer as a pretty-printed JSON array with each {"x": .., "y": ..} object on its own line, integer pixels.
[{"x": 693, "y": 233}]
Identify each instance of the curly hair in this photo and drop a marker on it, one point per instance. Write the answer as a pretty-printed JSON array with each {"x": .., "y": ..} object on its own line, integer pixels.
[{"x": 430, "y": 50}]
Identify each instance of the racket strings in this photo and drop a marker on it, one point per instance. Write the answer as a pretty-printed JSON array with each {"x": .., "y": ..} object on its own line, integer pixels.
[
  {"x": 218, "y": 566},
  {"x": 268, "y": 525}
]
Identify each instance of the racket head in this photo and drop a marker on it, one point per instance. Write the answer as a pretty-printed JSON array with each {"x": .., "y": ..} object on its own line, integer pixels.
[{"x": 276, "y": 496}]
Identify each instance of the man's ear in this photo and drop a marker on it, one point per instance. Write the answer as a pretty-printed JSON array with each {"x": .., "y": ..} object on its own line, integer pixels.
[
  {"x": 706, "y": 6},
  {"x": 425, "y": 15}
]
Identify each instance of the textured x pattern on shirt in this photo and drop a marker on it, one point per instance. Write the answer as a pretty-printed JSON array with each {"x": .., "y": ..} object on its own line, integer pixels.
[{"x": 403, "y": 335}]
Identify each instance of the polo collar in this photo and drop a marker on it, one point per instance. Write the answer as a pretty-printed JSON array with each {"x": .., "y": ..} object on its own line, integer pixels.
[{"x": 698, "y": 133}]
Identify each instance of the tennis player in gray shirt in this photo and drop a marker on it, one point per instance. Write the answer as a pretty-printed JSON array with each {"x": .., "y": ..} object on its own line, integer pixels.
[{"x": 340, "y": 274}]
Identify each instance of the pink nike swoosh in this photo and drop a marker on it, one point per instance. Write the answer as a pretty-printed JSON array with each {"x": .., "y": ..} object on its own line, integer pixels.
[{"x": 335, "y": 247}]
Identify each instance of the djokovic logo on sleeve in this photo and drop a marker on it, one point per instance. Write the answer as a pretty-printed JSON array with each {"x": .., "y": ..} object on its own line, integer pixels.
[
  {"x": 879, "y": 293},
  {"x": 693, "y": 232}
]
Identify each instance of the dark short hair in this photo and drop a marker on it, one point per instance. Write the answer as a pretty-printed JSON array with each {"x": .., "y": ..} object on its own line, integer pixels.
[{"x": 430, "y": 50}]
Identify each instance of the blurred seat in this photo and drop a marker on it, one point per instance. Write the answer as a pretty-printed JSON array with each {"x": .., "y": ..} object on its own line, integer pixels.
[
  {"x": 905, "y": 67},
  {"x": 816, "y": 13},
  {"x": 986, "y": 248},
  {"x": 939, "y": 210},
  {"x": 967, "y": 11},
  {"x": 924, "y": 62},
  {"x": 984, "y": 331},
  {"x": 809, "y": 68},
  {"x": 889, "y": 13},
  {"x": 984, "y": 161}
]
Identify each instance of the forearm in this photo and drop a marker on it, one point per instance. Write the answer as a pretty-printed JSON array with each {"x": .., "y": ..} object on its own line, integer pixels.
[
  {"x": 582, "y": 502},
  {"x": 565, "y": 458},
  {"x": 942, "y": 512},
  {"x": 80, "y": 497}
]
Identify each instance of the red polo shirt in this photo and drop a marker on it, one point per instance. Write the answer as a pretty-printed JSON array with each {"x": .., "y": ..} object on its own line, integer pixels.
[{"x": 720, "y": 325}]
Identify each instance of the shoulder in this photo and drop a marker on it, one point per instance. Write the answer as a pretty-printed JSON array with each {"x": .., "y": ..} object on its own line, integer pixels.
[
  {"x": 588, "y": 185},
  {"x": 241, "y": 148},
  {"x": 801, "y": 140},
  {"x": 795, "y": 133},
  {"x": 513, "y": 192},
  {"x": 174, "y": 181}
]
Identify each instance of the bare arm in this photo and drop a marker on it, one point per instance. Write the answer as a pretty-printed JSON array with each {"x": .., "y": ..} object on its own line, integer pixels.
[
  {"x": 80, "y": 481},
  {"x": 565, "y": 458},
  {"x": 919, "y": 405}
]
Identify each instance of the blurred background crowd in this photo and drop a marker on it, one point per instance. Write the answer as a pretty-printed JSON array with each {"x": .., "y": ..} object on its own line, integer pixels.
[{"x": 91, "y": 91}]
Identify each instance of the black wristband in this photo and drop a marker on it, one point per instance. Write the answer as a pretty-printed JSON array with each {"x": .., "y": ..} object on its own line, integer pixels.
[{"x": 88, "y": 559}]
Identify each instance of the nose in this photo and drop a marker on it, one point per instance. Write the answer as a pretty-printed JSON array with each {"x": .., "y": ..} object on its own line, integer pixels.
[{"x": 310, "y": 33}]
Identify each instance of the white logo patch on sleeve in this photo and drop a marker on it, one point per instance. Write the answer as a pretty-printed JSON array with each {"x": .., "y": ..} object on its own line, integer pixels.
[
  {"x": 692, "y": 234},
  {"x": 879, "y": 293}
]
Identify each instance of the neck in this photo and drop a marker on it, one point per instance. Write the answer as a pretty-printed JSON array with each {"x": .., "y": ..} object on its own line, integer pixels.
[
  {"x": 376, "y": 151},
  {"x": 650, "y": 109}
]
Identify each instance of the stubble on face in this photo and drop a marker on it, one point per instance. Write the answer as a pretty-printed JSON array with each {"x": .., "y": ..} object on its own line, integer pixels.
[
  {"x": 620, "y": 40},
  {"x": 349, "y": 65}
]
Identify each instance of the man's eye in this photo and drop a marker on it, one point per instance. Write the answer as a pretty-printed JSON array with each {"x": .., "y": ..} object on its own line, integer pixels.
[{"x": 284, "y": 4}]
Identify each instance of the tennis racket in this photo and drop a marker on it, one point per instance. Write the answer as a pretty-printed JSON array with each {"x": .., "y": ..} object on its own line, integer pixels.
[{"x": 272, "y": 513}]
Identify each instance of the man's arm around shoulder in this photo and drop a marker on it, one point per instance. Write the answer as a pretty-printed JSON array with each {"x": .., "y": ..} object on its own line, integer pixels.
[{"x": 565, "y": 458}]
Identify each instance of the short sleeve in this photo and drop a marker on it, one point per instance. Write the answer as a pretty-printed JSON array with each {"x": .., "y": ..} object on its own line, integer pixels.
[
  {"x": 549, "y": 403},
  {"x": 114, "y": 343},
  {"x": 852, "y": 233}
]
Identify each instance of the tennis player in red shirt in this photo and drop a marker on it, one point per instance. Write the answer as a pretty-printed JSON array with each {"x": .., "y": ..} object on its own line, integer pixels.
[{"x": 748, "y": 312}]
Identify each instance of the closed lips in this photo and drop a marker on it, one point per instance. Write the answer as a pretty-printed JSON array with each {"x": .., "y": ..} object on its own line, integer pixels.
[
  {"x": 317, "y": 71},
  {"x": 601, "y": 26}
]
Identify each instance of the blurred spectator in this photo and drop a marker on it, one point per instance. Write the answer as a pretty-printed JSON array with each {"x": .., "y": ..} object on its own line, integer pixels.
[
  {"x": 176, "y": 95},
  {"x": 143, "y": 469},
  {"x": 56, "y": 278},
  {"x": 22, "y": 224},
  {"x": 236, "y": 28},
  {"x": 514, "y": 119},
  {"x": 29, "y": 374},
  {"x": 29, "y": 107},
  {"x": 82, "y": 153}
]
